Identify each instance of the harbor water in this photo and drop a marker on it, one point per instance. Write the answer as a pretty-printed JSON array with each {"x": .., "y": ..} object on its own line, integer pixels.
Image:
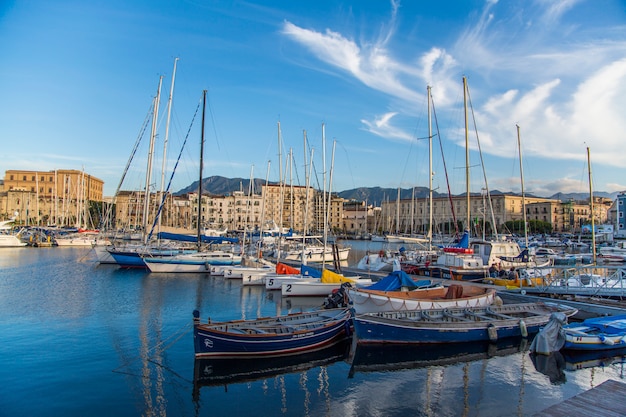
[{"x": 81, "y": 339}]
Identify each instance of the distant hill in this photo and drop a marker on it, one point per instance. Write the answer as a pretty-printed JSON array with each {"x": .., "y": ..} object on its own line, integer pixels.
[
  {"x": 218, "y": 185},
  {"x": 582, "y": 196},
  {"x": 221, "y": 185}
]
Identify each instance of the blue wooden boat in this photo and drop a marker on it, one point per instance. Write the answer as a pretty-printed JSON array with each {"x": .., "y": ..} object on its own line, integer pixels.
[
  {"x": 599, "y": 333},
  {"x": 271, "y": 336},
  {"x": 456, "y": 325}
]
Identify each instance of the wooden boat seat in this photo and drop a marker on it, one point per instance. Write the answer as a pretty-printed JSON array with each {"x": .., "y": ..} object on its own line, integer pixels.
[
  {"x": 448, "y": 314},
  {"x": 251, "y": 330},
  {"x": 478, "y": 315},
  {"x": 499, "y": 315}
]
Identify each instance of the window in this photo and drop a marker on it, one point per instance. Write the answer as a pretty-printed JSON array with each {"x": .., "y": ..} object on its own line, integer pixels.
[
  {"x": 24, "y": 178},
  {"x": 32, "y": 178}
]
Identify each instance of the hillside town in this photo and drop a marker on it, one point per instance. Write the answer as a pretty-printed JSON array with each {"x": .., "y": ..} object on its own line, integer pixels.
[{"x": 72, "y": 198}]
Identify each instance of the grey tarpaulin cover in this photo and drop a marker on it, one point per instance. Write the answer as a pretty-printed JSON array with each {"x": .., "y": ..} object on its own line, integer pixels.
[{"x": 552, "y": 337}]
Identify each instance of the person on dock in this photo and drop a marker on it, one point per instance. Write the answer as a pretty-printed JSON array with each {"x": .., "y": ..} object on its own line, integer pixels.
[{"x": 493, "y": 271}]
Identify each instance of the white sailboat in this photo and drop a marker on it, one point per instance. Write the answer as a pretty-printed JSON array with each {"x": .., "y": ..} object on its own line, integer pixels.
[
  {"x": 8, "y": 239},
  {"x": 199, "y": 261}
]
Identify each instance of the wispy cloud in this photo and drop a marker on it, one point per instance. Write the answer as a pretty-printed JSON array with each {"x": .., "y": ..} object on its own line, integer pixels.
[
  {"x": 382, "y": 127},
  {"x": 575, "y": 93}
]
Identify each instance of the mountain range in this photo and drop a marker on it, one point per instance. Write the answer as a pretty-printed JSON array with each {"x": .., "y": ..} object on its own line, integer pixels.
[{"x": 218, "y": 185}]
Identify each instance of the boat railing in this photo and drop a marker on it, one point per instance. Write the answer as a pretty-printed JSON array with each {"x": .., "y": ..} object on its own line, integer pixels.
[{"x": 585, "y": 280}]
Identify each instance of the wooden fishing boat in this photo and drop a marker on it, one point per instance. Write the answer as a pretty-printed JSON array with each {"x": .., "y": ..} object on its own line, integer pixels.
[
  {"x": 271, "y": 336},
  {"x": 598, "y": 333},
  {"x": 430, "y": 297},
  {"x": 456, "y": 325}
]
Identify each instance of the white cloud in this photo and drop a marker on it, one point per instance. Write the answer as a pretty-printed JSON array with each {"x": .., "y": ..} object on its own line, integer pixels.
[
  {"x": 382, "y": 127},
  {"x": 566, "y": 92}
]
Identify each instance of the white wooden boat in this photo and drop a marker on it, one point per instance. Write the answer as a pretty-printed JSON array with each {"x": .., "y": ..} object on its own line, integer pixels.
[
  {"x": 275, "y": 281},
  {"x": 330, "y": 281},
  {"x": 253, "y": 278},
  {"x": 366, "y": 301},
  {"x": 239, "y": 271}
]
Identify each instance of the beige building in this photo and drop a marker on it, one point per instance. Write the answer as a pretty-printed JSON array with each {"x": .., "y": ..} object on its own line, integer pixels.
[
  {"x": 412, "y": 216},
  {"x": 60, "y": 197}
]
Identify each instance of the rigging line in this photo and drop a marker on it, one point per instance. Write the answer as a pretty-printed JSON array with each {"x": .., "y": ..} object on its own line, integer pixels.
[
  {"x": 349, "y": 165},
  {"x": 162, "y": 203},
  {"x": 213, "y": 122},
  {"x": 482, "y": 162},
  {"x": 445, "y": 170},
  {"x": 142, "y": 131}
]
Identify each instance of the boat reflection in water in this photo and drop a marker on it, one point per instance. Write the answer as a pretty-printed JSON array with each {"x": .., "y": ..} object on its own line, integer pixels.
[
  {"x": 392, "y": 357},
  {"x": 555, "y": 365},
  {"x": 209, "y": 372}
]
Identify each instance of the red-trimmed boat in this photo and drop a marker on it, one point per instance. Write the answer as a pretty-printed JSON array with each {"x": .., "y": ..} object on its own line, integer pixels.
[{"x": 271, "y": 336}]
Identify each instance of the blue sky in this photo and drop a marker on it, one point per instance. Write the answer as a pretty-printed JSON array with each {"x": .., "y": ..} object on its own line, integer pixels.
[{"x": 78, "y": 77}]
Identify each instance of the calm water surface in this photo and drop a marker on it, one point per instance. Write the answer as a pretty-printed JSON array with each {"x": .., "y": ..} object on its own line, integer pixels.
[{"x": 85, "y": 339}]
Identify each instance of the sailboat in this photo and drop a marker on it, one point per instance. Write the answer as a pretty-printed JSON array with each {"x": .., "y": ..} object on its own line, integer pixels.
[
  {"x": 131, "y": 256},
  {"x": 7, "y": 238},
  {"x": 470, "y": 259},
  {"x": 526, "y": 265},
  {"x": 198, "y": 261}
]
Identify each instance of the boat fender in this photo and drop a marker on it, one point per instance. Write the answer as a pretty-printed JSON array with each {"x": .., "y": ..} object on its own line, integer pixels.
[
  {"x": 347, "y": 328},
  {"x": 206, "y": 266},
  {"x": 522, "y": 328},
  {"x": 493, "y": 333},
  {"x": 606, "y": 340}
]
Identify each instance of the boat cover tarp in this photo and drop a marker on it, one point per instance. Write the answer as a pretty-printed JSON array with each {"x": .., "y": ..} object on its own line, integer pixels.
[
  {"x": 552, "y": 337},
  {"x": 284, "y": 269},
  {"x": 330, "y": 277},
  {"x": 522, "y": 257},
  {"x": 204, "y": 239},
  {"x": 609, "y": 324},
  {"x": 310, "y": 272},
  {"x": 463, "y": 242},
  {"x": 396, "y": 280}
]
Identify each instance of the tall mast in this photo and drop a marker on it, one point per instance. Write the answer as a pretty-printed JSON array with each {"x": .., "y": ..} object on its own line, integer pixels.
[
  {"x": 330, "y": 188},
  {"x": 324, "y": 185},
  {"x": 199, "y": 225},
  {"x": 398, "y": 212},
  {"x": 167, "y": 135},
  {"x": 467, "y": 162},
  {"x": 430, "y": 174},
  {"x": 262, "y": 222},
  {"x": 593, "y": 228},
  {"x": 521, "y": 171},
  {"x": 146, "y": 201}
]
